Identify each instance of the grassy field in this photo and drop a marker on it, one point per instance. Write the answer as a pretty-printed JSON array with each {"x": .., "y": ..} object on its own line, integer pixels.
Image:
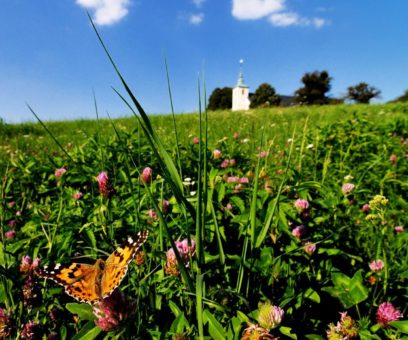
[
  {"x": 279, "y": 124},
  {"x": 272, "y": 223}
]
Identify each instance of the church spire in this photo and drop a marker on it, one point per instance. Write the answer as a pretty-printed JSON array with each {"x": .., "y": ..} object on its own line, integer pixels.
[{"x": 241, "y": 82}]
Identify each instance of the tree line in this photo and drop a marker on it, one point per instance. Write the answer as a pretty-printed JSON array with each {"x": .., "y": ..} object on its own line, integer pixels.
[{"x": 316, "y": 86}]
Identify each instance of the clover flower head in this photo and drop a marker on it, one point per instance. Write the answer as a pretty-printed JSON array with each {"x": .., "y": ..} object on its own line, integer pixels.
[
  {"x": 399, "y": 229},
  {"x": 113, "y": 310},
  {"x": 347, "y": 188},
  {"x": 10, "y": 234},
  {"x": 299, "y": 231},
  {"x": 301, "y": 204},
  {"x": 59, "y": 172},
  {"x": 146, "y": 175},
  {"x": 376, "y": 265},
  {"x": 310, "y": 248},
  {"x": 386, "y": 313},
  {"x": 217, "y": 154},
  {"x": 270, "y": 316}
]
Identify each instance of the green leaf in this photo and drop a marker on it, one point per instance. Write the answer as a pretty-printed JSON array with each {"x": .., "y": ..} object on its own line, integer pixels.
[
  {"x": 214, "y": 327},
  {"x": 350, "y": 292},
  {"x": 287, "y": 331},
  {"x": 234, "y": 328},
  {"x": 89, "y": 332},
  {"x": 83, "y": 310},
  {"x": 179, "y": 324},
  {"x": 312, "y": 295},
  {"x": 402, "y": 326}
]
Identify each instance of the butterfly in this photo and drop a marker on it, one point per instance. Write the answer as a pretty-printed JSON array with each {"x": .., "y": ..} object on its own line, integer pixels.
[{"x": 91, "y": 283}]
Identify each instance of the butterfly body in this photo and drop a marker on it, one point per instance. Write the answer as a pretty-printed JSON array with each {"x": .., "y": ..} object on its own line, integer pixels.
[{"x": 91, "y": 283}]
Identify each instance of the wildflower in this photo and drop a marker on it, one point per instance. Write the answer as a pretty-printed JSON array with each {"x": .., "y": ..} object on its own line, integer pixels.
[
  {"x": 376, "y": 265},
  {"x": 31, "y": 330},
  {"x": 270, "y": 316},
  {"x": 346, "y": 328},
  {"x": 228, "y": 206},
  {"x": 140, "y": 258},
  {"x": 256, "y": 332},
  {"x": 245, "y": 141},
  {"x": 301, "y": 204},
  {"x": 393, "y": 159},
  {"x": 399, "y": 229},
  {"x": 11, "y": 204},
  {"x": 113, "y": 310},
  {"x": 217, "y": 154},
  {"x": 185, "y": 250},
  {"x": 348, "y": 178},
  {"x": 195, "y": 140},
  {"x": 372, "y": 280},
  {"x": 299, "y": 231},
  {"x": 105, "y": 188},
  {"x": 77, "y": 195},
  {"x": 386, "y": 313},
  {"x": 238, "y": 188},
  {"x": 244, "y": 180},
  {"x": 10, "y": 234},
  {"x": 232, "y": 162},
  {"x": 309, "y": 146},
  {"x": 171, "y": 267},
  {"x": 59, "y": 172},
  {"x": 365, "y": 208},
  {"x": 32, "y": 295},
  {"x": 18, "y": 213},
  {"x": 310, "y": 248},
  {"x": 146, "y": 175},
  {"x": 377, "y": 202},
  {"x": 152, "y": 216},
  {"x": 236, "y": 135},
  {"x": 27, "y": 265},
  {"x": 347, "y": 188},
  {"x": 225, "y": 163},
  {"x": 232, "y": 179},
  {"x": 165, "y": 206},
  {"x": 263, "y": 154},
  {"x": 6, "y": 324}
]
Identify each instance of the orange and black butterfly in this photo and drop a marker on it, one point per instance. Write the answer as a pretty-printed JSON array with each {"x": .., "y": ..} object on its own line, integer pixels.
[{"x": 91, "y": 283}]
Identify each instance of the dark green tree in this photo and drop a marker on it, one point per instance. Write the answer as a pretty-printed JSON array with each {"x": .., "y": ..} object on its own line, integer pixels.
[
  {"x": 403, "y": 98},
  {"x": 316, "y": 85},
  {"x": 362, "y": 93},
  {"x": 220, "y": 99},
  {"x": 265, "y": 95}
]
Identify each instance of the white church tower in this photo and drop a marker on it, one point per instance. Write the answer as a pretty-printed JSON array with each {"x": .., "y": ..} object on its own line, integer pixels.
[{"x": 240, "y": 93}]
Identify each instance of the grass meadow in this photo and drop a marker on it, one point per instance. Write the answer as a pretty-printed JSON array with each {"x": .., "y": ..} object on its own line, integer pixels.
[{"x": 282, "y": 223}]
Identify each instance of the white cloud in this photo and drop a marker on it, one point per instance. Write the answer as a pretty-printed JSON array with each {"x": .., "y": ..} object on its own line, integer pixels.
[
  {"x": 255, "y": 9},
  {"x": 196, "y": 19},
  {"x": 275, "y": 10},
  {"x": 198, "y": 3},
  {"x": 286, "y": 19},
  {"x": 106, "y": 12},
  {"x": 319, "y": 22}
]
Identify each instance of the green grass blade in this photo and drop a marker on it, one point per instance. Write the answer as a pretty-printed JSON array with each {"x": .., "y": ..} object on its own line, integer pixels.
[
  {"x": 50, "y": 133},
  {"x": 271, "y": 212}
]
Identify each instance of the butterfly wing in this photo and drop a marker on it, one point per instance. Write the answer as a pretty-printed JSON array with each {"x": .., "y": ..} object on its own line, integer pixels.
[
  {"x": 78, "y": 279},
  {"x": 116, "y": 265}
]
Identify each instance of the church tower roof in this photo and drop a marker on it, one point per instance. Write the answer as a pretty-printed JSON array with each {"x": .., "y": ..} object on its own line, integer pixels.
[{"x": 240, "y": 82}]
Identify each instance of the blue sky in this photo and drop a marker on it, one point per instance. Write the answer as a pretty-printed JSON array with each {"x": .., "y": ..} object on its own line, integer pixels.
[{"x": 51, "y": 59}]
